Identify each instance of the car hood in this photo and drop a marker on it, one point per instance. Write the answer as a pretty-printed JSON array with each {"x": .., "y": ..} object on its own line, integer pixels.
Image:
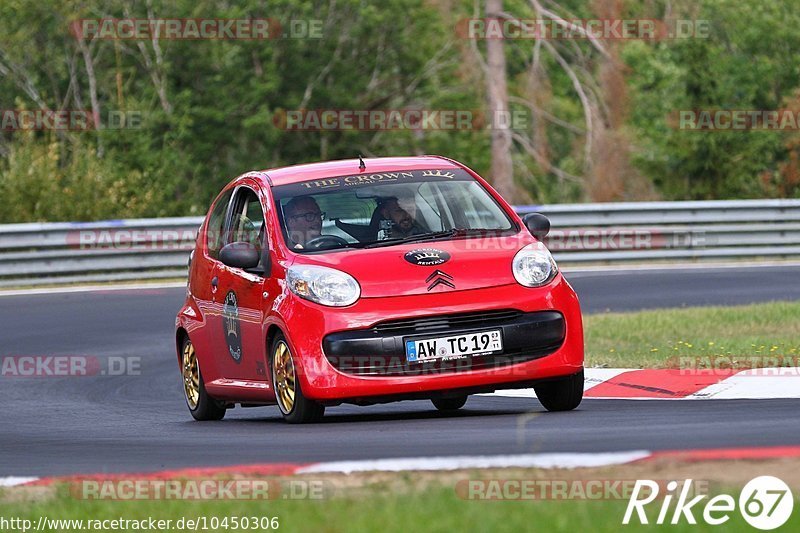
[{"x": 473, "y": 263}]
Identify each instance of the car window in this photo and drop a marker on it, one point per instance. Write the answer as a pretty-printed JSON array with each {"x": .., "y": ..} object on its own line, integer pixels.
[
  {"x": 216, "y": 220},
  {"x": 247, "y": 223},
  {"x": 463, "y": 204}
]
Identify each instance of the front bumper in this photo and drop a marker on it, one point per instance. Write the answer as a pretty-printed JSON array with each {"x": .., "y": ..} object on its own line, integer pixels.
[
  {"x": 339, "y": 356},
  {"x": 380, "y": 350}
]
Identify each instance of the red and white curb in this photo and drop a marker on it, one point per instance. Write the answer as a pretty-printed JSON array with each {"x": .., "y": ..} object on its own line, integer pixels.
[
  {"x": 537, "y": 460},
  {"x": 704, "y": 384}
]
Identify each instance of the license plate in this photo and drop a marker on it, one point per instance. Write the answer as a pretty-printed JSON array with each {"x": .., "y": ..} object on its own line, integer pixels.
[{"x": 454, "y": 347}]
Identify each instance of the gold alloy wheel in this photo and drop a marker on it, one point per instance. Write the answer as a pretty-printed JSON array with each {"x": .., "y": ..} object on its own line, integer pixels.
[
  {"x": 191, "y": 376},
  {"x": 283, "y": 369}
]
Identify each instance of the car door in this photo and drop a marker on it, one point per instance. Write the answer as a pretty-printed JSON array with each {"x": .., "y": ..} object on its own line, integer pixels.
[
  {"x": 204, "y": 271},
  {"x": 240, "y": 293}
]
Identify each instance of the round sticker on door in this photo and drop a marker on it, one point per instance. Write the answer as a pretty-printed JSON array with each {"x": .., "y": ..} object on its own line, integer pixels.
[{"x": 230, "y": 321}]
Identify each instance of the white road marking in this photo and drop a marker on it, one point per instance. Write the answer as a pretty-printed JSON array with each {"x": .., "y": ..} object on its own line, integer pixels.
[
  {"x": 93, "y": 288},
  {"x": 14, "y": 481},
  {"x": 757, "y": 384},
  {"x": 539, "y": 460}
]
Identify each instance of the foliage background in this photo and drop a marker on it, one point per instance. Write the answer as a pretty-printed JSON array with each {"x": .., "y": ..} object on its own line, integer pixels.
[{"x": 207, "y": 107}]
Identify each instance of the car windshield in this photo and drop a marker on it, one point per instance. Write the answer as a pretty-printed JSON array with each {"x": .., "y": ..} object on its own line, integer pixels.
[{"x": 387, "y": 208}]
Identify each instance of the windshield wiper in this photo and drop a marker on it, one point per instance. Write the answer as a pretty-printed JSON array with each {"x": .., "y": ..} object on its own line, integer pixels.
[{"x": 455, "y": 232}]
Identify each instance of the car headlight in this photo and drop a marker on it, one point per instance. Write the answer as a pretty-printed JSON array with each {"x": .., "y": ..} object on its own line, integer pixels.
[
  {"x": 533, "y": 266},
  {"x": 323, "y": 285}
]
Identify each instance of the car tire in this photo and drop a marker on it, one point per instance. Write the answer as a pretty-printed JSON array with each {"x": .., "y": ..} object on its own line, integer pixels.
[
  {"x": 293, "y": 405},
  {"x": 202, "y": 406},
  {"x": 449, "y": 404},
  {"x": 561, "y": 395}
]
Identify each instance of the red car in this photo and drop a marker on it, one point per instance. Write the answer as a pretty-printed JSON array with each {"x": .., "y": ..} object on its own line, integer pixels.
[{"x": 369, "y": 281}]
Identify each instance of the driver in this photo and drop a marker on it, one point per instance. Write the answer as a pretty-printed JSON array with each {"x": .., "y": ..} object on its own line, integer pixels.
[
  {"x": 303, "y": 220},
  {"x": 403, "y": 223}
]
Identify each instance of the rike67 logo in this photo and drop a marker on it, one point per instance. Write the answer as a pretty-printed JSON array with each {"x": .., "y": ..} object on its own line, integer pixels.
[{"x": 765, "y": 503}]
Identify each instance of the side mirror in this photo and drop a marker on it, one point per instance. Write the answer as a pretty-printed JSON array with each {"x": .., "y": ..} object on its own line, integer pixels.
[
  {"x": 240, "y": 255},
  {"x": 537, "y": 224}
]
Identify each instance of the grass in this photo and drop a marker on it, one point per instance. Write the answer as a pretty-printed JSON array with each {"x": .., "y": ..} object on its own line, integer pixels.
[
  {"x": 433, "y": 508},
  {"x": 654, "y": 339}
]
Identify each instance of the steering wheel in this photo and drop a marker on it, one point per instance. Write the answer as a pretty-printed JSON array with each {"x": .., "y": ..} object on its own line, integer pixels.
[{"x": 326, "y": 241}]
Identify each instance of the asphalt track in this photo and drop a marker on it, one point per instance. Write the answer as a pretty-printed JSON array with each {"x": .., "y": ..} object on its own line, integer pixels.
[{"x": 139, "y": 423}]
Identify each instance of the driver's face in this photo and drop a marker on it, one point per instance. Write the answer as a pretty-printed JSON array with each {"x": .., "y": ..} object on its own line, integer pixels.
[
  {"x": 398, "y": 215},
  {"x": 304, "y": 222}
]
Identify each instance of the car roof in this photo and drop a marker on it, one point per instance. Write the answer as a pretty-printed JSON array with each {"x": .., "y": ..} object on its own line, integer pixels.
[{"x": 329, "y": 169}]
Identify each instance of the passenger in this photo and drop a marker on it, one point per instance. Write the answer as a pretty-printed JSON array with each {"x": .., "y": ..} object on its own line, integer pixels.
[{"x": 404, "y": 224}]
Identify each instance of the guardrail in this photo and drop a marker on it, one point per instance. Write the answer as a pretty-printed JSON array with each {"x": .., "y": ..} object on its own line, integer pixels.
[
  {"x": 668, "y": 231},
  {"x": 44, "y": 253}
]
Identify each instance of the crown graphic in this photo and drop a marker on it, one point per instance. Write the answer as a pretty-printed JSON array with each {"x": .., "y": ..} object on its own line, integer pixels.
[{"x": 438, "y": 174}]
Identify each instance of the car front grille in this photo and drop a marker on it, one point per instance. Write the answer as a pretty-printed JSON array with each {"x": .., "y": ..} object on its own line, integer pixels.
[{"x": 443, "y": 323}]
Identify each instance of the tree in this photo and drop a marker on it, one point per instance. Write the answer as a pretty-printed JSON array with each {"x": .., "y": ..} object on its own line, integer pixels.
[{"x": 502, "y": 170}]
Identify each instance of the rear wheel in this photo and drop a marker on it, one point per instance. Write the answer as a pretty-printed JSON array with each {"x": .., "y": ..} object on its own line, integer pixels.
[
  {"x": 294, "y": 406},
  {"x": 449, "y": 404},
  {"x": 561, "y": 395},
  {"x": 200, "y": 404}
]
